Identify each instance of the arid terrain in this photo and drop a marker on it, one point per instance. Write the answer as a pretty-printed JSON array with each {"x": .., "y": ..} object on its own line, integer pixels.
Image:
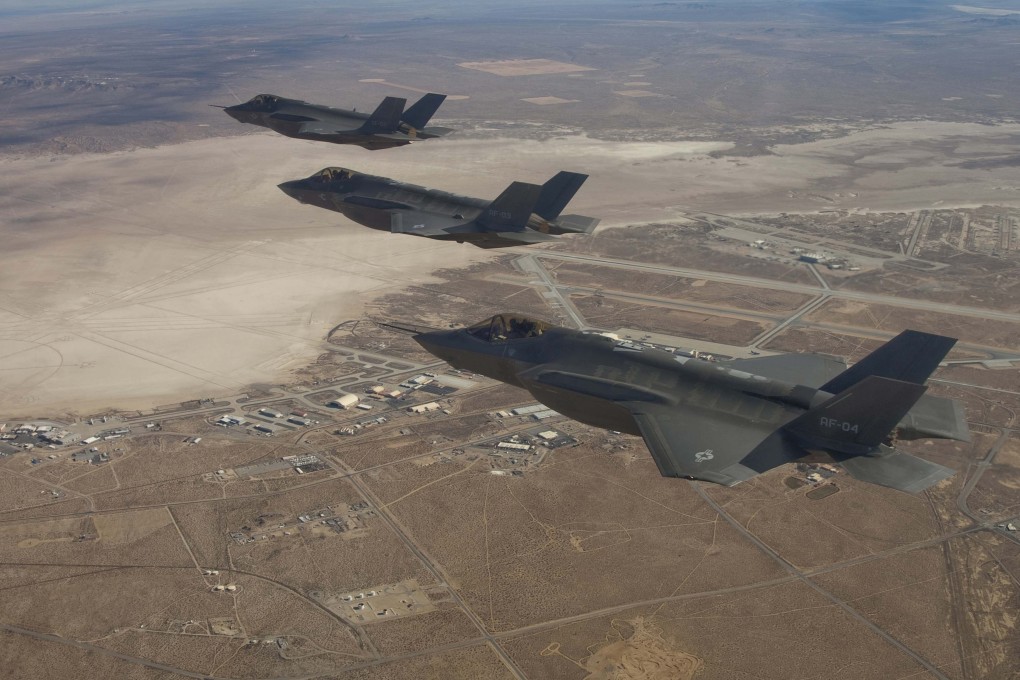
[{"x": 217, "y": 463}]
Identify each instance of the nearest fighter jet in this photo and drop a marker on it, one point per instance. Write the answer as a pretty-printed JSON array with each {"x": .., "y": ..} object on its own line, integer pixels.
[
  {"x": 388, "y": 126},
  {"x": 726, "y": 422},
  {"x": 522, "y": 214}
]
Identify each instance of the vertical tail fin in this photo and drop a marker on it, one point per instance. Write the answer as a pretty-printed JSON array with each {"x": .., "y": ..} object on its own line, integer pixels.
[
  {"x": 386, "y": 117},
  {"x": 858, "y": 419},
  {"x": 421, "y": 111},
  {"x": 897, "y": 470},
  {"x": 911, "y": 356},
  {"x": 512, "y": 208},
  {"x": 557, "y": 192}
]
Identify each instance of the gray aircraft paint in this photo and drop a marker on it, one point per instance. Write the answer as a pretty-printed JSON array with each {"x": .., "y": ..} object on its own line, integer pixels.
[
  {"x": 725, "y": 422},
  {"x": 524, "y": 213},
  {"x": 387, "y": 127}
]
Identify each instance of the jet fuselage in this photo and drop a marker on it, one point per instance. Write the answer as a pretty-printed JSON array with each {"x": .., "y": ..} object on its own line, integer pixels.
[
  {"x": 619, "y": 371},
  {"x": 385, "y": 204},
  {"x": 368, "y": 199},
  {"x": 599, "y": 372},
  {"x": 314, "y": 122}
]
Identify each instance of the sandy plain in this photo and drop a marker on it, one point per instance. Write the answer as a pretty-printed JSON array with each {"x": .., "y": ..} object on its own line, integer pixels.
[{"x": 139, "y": 278}]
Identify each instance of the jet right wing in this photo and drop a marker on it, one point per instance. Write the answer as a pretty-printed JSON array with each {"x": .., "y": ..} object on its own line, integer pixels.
[
  {"x": 318, "y": 127},
  {"x": 707, "y": 446}
]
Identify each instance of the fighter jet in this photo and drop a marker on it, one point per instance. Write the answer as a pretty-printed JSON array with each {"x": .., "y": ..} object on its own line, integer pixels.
[
  {"x": 726, "y": 421},
  {"x": 388, "y": 126},
  {"x": 522, "y": 214}
]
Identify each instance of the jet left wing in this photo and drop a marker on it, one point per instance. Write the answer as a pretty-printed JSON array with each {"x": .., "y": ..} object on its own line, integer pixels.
[
  {"x": 318, "y": 127},
  {"x": 709, "y": 447},
  {"x": 811, "y": 370},
  {"x": 421, "y": 224},
  {"x": 438, "y": 226}
]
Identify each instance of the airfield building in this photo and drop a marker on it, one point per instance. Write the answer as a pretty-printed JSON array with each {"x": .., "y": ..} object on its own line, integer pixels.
[
  {"x": 424, "y": 408},
  {"x": 344, "y": 401}
]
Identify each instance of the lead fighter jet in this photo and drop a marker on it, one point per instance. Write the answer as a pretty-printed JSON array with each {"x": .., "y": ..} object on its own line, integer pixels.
[
  {"x": 388, "y": 126},
  {"x": 726, "y": 422},
  {"x": 522, "y": 214}
]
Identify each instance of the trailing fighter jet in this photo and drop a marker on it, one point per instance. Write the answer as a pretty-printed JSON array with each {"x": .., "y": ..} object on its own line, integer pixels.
[
  {"x": 388, "y": 126},
  {"x": 726, "y": 422},
  {"x": 522, "y": 214}
]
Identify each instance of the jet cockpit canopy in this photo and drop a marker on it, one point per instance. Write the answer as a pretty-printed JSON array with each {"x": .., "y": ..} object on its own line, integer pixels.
[
  {"x": 330, "y": 175},
  {"x": 263, "y": 102},
  {"x": 505, "y": 327}
]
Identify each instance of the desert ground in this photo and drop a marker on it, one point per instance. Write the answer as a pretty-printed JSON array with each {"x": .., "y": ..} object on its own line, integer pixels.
[
  {"x": 137, "y": 278},
  {"x": 770, "y": 177}
]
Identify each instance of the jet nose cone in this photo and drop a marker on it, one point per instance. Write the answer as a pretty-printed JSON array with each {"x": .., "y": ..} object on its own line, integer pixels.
[
  {"x": 425, "y": 340},
  {"x": 294, "y": 188},
  {"x": 435, "y": 343}
]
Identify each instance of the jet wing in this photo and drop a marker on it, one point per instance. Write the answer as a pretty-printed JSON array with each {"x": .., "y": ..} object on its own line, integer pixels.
[
  {"x": 541, "y": 380},
  {"x": 376, "y": 203},
  {"x": 708, "y": 446},
  {"x": 422, "y": 224},
  {"x": 811, "y": 370},
  {"x": 318, "y": 127},
  {"x": 443, "y": 227}
]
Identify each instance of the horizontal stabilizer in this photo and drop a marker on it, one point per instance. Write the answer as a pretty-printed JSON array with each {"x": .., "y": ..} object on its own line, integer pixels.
[
  {"x": 575, "y": 224},
  {"x": 911, "y": 356},
  {"x": 857, "y": 419},
  {"x": 935, "y": 417},
  {"x": 523, "y": 237},
  {"x": 897, "y": 470},
  {"x": 431, "y": 132}
]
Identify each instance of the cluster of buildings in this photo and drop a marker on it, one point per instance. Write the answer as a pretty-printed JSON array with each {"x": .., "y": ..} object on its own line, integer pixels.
[
  {"x": 515, "y": 453},
  {"x": 536, "y": 411},
  {"x": 816, "y": 473},
  {"x": 332, "y": 519},
  {"x": 361, "y": 425},
  {"x": 829, "y": 260},
  {"x": 302, "y": 464},
  {"x": 28, "y": 436},
  {"x": 261, "y": 425}
]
